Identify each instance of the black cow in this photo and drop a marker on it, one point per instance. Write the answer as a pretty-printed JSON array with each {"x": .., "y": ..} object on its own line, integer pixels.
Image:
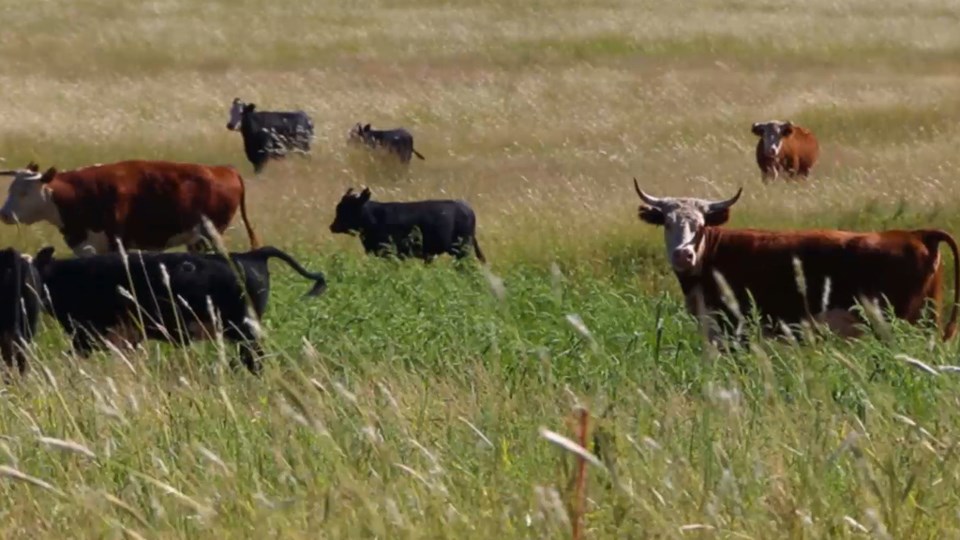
[
  {"x": 92, "y": 297},
  {"x": 396, "y": 141},
  {"x": 268, "y": 134},
  {"x": 421, "y": 229},
  {"x": 19, "y": 307}
]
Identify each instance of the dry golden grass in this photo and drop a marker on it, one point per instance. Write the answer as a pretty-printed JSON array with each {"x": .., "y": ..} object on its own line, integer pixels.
[
  {"x": 405, "y": 403},
  {"x": 538, "y": 115}
]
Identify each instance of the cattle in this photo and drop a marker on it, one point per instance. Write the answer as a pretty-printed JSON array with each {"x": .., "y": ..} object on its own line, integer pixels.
[
  {"x": 398, "y": 142},
  {"x": 270, "y": 134},
  {"x": 784, "y": 147},
  {"x": 19, "y": 307},
  {"x": 420, "y": 229},
  {"x": 150, "y": 205},
  {"x": 898, "y": 269},
  {"x": 174, "y": 297}
]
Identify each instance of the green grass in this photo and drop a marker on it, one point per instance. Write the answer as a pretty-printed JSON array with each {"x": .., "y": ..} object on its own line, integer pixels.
[{"x": 407, "y": 401}]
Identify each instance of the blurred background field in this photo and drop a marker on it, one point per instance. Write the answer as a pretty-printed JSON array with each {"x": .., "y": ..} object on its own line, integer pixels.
[{"x": 405, "y": 403}]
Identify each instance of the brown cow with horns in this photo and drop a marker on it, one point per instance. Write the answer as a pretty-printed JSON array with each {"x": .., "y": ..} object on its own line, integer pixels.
[
  {"x": 148, "y": 205},
  {"x": 899, "y": 269}
]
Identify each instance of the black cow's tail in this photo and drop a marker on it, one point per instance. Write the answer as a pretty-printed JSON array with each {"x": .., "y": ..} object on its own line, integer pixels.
[
  {"x": 252, "y": 236},
  {"x": 320, "y": 281},
  {"x": 476, "y": 249},
  {"x": 938, "y": 236},
  {"x": 418, "y": 154}
]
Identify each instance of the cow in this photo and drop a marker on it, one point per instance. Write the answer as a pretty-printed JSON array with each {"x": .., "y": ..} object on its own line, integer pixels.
[
  {"x": 421, "y": 229},
  {"x": 174, "y": 297},
  {"x": 19, "y": 307},
  {"x": 784, "y": 147},
  {"x": 398, "y": 142},
  {"x": 897, "y": 269},
  {"x": 150, "y": 205},
  {"x": 269, "y": 134}
]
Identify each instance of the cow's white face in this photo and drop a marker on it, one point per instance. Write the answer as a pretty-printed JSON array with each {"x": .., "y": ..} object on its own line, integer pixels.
[
  {"x": 30, "y": 199},
  {"x": 236, "y": 114},
  {"x": 772, "y": 134},
  {"x": 684, "y": 221},
  {"x": 682, "y": 235}
]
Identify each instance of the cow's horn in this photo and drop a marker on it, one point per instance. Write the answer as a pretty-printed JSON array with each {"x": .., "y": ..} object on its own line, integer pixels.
[
  {"x": 24, "y": 174},
  {"x": 723, "y": 205},
  {"x": 652, "y": 201}
]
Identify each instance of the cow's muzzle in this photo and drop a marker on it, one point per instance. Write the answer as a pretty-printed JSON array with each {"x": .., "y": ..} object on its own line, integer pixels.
[
  {"x": 683, "y": 259},
  {"x": 8, "y": 218},
  {"x": 231, "y": 126}
]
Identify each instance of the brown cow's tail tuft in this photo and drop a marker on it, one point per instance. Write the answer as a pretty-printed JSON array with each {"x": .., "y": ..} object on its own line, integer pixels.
[
  {"x": 942, "y": 236},
  {"x": 254, "y": 241}
]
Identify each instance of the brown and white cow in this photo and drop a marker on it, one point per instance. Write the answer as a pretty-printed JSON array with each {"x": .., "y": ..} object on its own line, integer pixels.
[
  {"x": 147, "y": 205},
  {"x": 784, "y": 147},
  {"x": 900, "y": 270}
]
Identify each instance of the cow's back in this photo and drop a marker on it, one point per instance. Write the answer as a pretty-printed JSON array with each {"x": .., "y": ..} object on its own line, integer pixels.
[
  {"x": 86, "y": 291},
  {"x": 148, "y": 203},
  {"x": 895, "y": 264}
]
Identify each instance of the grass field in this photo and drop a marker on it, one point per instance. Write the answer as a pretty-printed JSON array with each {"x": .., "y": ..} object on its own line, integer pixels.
[{"x": 407, "y": 401}]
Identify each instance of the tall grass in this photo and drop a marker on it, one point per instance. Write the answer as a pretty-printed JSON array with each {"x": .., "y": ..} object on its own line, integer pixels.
[{"x": 408, "y": 401}]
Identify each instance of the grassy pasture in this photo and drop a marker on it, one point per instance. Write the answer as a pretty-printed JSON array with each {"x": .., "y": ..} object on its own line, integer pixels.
[{"x": 406, "y": 402}]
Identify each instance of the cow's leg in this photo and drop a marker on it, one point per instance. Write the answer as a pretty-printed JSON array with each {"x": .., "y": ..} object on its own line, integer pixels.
[
  {"x": 7, "y": 351},
  {"x": 124, "y": 335},
  {"x": 768, "y": 174},
  {"x": 83, "y": 343},
  {"x": 197, "y": 240},
  {"x": 202, "y": 244},
  {"x": 249, "y": 350},
  {"x": 94, "y": 243},
  {"x": 244, "y": 336},
  {"x": 250, "y": 354},
  {"x": 20, "y": 357},
  {"x": 793, "y": 167},
  {"x": 842, "y": 322}
]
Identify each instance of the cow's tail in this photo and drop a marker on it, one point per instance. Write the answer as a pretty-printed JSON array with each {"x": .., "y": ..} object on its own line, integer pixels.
[
  {"x": 942, "y": 236},
  {"x": 418, "y": 154},
  {"x": 320, "y": 281},
  {"x": 254, "y": 241},
  {"x": 476, "y": 249}
]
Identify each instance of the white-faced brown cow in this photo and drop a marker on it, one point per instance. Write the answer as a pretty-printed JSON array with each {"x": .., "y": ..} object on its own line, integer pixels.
[
  {"x": 147, "y": 205},
  {"x": 901, "y": 270},
  {"x": 784, "y": 147}
]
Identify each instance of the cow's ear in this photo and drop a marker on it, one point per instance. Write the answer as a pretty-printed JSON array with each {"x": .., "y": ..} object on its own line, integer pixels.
[
  {"x": 366, "y": 127},
  {"x": 651, "y": 215},
  {"x": 48, "y": 176},
  {"x": 249, "y": 108},
  {"x": 757, "y": 129},
  {"x": 786, "y": 129},
  {"x": 365, "y": 195},
  {"x": 717, "y": 217}
]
